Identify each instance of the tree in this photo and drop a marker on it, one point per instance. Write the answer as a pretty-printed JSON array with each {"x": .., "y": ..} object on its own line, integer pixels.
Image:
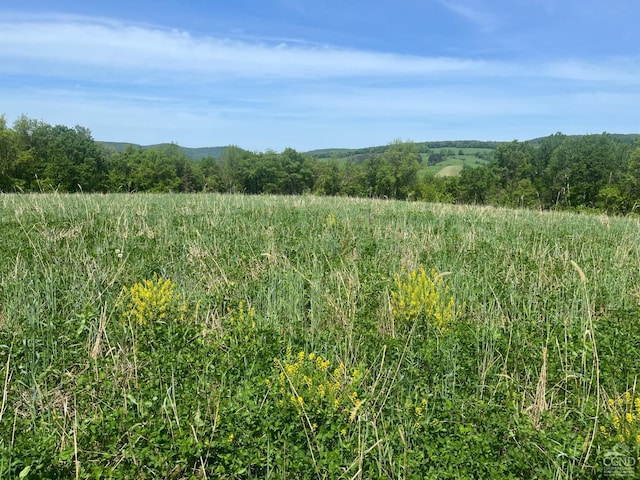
[
  {"x": 397, "y": 170},
  {"x": 8, "y": 157},
  {"x": 435, "y": 158},
  {"x": 475, "y": 184},
  {"x": 70, "y": 159},
  {"x": 632, "y": 178},
  {"x": 328, "y": 178},
  {"x": 512, "y": 167},
  {"x": 231, "y": 164},
  {"x": 298, "y": 173},
  {"x": 435, "y": 189},
  {"x": 209, "y": 171},
  {"x": 354, "y": 181},
  {"x": 581, "y": 166},
  {"x": 27, "y": 169},
  {"x": 264, "y": 174},
  {"x": 156, "y": 172}
]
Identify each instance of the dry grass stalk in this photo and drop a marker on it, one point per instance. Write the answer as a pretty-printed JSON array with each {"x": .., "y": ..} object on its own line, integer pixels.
[{"x": 539, "y": 404}]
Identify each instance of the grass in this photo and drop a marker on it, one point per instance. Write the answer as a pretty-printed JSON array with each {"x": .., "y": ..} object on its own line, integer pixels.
[
  {"x": 454, "y": 163},
  {"x": 450, "y": 171},
  {"x": 542, "y": 344}
]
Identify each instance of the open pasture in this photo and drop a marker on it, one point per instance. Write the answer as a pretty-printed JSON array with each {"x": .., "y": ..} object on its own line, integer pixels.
[{"x": 213, "y": 336}]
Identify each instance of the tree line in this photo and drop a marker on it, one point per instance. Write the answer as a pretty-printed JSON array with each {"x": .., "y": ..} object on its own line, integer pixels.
[
  {"x": 565, "y": 172},
  {"x": 600, "y": 172}
]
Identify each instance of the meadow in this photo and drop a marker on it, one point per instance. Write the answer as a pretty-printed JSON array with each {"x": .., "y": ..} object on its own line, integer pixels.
[
  {"x": 229, "y": 336},
  {"x": 454, "y": 162}
]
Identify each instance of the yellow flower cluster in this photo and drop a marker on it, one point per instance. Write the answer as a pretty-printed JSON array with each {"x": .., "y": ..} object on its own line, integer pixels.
[
  {"x": 421, "y": 295},
  {"x": 625, "y": 417},
  {"x": 152, "y": 300},
  {"x": 243, "y": 322},
  {"x": 416, "y": 410},
  {"x": 306, "y": 382}
]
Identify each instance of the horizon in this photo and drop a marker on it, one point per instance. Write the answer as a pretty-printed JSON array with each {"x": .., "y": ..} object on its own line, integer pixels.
[
  {"x": 362, "y": 147},
  {"x": 314, "y": 76}
]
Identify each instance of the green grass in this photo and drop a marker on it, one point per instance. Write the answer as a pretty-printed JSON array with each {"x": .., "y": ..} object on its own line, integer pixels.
[
  {"x": 449, "y": 171},
  {"x": 458, "y": 161},
  {"x": 516, "y": 386}
]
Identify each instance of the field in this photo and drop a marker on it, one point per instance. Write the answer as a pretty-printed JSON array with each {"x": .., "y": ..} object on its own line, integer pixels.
[
  {"x": 451, "y": 166},
  {"x": 449, "y": 171},
  {"x": 454, "y": 162},
  {"x": 212, "y": 336}
]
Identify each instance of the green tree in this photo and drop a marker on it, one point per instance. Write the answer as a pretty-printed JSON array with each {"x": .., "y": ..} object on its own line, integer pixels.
[
  {"x": 541, "y": 159},
  {"x": 262, "y": 173},
  {"x": 120, "y": 168},
  {"x": 156, "y": 172},
  {"x": 513, "y": 169},
  {"x": 524, "y": 194},
  {"x": 231, "y": 164},
  {"x": 381, "y": 176},
  {"x": 44, "y": 157},
  {"x": 612, "y": 200},
  {"x": 354, "y": 180},
  {"x": 328, "y": 178},
  {"x": 297, "y": 168},
  {"x": 434, "y": 189},
  {"x": 28, "y": 170},
  {"x": 475, "y": 184},
  {"x": 209, "y": 171},
  {"x": 582, "y": 166},
  {"x": 403, "y": 162},
  {"x": 632, "y": 178},
  {"x": 8, "y": 157}
]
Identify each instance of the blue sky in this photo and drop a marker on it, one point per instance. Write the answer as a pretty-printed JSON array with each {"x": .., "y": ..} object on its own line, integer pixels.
[{"x": 270, "y": 74}]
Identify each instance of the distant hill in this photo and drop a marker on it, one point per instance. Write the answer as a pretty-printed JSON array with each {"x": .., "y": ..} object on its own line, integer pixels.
[
  {"x": 359, "y": 153},
  {"x": 422, "y": 147},
  {"x": 620, "y": 137},
  {"x": 192, "y": 153},
  {"x": 218, "y": 152}
]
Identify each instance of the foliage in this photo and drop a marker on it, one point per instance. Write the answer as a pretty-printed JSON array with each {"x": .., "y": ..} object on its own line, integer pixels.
[
  {"x": 597, "y": 172},
  {"x": 624, "y": 420},
  {"x": 423, "y": 297},
  {"x": 109, "y": 369},
  {"x": 153, "y": 300},
  {"x": 306, "y": 383}
]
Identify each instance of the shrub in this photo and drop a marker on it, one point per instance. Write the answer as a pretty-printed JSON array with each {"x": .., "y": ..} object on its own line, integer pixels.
[
  {"x": 306, "y": 383},
  {"x": 153, "y": 300},
  {"x": 624, "y": 420},
  {"x": 423, "y": 297}
]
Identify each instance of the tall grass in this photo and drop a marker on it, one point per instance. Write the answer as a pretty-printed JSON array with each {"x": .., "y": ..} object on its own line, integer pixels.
[{"x": 517, "y": 387}]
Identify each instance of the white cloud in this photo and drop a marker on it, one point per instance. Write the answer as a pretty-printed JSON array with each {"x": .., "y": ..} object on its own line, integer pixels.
[
  {"x": 619, "y": 71},
  {"x": 486, "y": 21},
  {"x": 116, "y": 47},
  {"x": 114, "y": 52},
  {"x": 147, "y": 84}
]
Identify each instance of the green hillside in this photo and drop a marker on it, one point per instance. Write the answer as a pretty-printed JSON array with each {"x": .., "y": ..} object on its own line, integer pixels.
[{"x": 192, "y": 153}]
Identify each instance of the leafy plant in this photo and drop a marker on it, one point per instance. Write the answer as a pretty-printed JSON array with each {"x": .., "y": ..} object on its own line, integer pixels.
[
  {"x": 623, "y": 420},
  {"x": 153, "y": 300},
  {"x": 423, "y": 297},
  {"x": 306, "y": 383}
]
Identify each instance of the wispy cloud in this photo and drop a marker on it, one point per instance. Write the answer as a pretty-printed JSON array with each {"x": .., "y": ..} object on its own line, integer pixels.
[
  {"x": 484, "y": 20},
  {"x": 112, "y": 46},
  {"x": 147, "y": 84},
  {"x": 133, "y": 53}
]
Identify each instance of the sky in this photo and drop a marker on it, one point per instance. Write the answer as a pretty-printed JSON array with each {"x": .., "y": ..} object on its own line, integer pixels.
[{"x": 271, "y": 74}]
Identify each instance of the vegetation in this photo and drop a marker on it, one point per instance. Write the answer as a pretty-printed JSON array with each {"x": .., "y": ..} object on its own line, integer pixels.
[
  {"x": 234, "y": 336},
  {"x": 592, "y": 172}
]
